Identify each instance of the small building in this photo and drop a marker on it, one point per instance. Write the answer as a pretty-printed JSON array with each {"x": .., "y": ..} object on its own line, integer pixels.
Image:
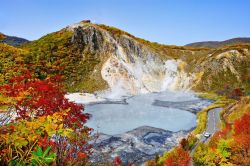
[{"x": 86, "y": 21}]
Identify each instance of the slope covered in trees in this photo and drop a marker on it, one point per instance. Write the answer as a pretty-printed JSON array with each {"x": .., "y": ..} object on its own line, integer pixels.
[
  {"x": 12, "y": 40},
  {"x": 39, "y": 126},
  {"x": 79, "y": 53},
  {"x": 229, "y": 146},
  {"x": 31, "y": 90},
  {"x": 216, "y": 44}
]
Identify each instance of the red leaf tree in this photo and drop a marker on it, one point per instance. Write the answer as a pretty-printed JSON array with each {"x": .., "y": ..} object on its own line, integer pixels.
[
  {"x": 240, "y": 147},
  {"x": 178, "y": 157},
  {"x": 117, "y": 161},
  {"x": 33, "y": 97}
]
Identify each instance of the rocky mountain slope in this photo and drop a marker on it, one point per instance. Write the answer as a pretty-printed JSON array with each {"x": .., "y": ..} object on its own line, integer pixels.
[
  {"x": 94, "y": 57},
  {"x": 216, "y": 44},
  {"x": 12, "y": 40}
]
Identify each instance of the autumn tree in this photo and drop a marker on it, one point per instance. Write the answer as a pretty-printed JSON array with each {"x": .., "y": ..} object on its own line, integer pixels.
[
  {"x": 117, "y": 161},
  {"x": 240, "y": 147},
  {"x": 33, "y": 100},
  {"x": 177, "y": 157}
]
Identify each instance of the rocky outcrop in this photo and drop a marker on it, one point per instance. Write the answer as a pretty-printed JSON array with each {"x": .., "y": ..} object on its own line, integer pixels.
[
  {"x": 136, "y": 146},
  {"x": 224, "y": 67},
  {"x": 98, "y": 57},
  {"x": 88, "y": 38},
  {"x": 129, "y": 65},
  {"x": 193, "y": 106}
]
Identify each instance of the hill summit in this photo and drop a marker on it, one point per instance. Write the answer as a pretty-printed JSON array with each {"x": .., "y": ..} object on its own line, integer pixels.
[
  {"x": 95, "y": 57},
  {"x": 216, "y": 44},
  {"x": 12, "y": 40}
]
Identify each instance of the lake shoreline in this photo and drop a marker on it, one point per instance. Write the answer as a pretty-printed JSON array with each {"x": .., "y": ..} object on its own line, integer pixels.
[{"x": 141, "y": 143}]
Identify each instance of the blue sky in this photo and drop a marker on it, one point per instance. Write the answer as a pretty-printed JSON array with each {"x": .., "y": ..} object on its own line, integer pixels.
[{"x": 165, "y": 21}]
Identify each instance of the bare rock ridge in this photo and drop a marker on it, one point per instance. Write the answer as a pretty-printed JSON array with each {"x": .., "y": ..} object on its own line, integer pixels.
[
  {"x": 87, "y": 37},
  {"x": 128, "y": 64},
  {"x": 96, "y": 57},
  {"x": 135, "y": 66}
]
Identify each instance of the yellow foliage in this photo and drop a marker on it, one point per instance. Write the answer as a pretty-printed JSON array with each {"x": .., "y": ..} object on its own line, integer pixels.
[
  {"x": 25, "y": 132},
  {"x": 237, "y": 109},
  {"x": 220, "y": 101}
]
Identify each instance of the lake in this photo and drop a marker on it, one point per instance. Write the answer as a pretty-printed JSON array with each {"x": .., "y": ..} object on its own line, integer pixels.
[{"x": 115, "y": 117}]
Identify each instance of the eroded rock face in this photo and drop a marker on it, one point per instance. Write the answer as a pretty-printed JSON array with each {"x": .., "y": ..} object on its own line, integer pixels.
[
  {"x": 134, "y": 67},
  {"x": 88, "y": 38},
  {"x": 130, "y": 66},
  {"x": 136, "y": 146},
  {"x": 229, "y": 67}
]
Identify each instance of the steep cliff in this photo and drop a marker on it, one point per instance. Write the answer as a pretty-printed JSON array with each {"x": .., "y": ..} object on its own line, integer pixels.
[
  {"x": 94, "y": 57},
  {"x": 132, "y": 65}
]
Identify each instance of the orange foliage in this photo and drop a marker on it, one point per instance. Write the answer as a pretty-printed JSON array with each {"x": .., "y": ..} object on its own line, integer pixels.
[
  {"x": 179, "y": 157},
  {"x": 240, "y": 147}
]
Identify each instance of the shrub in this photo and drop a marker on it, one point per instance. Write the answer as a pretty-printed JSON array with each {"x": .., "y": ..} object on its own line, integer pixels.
[{"x": 44, "y": 118}]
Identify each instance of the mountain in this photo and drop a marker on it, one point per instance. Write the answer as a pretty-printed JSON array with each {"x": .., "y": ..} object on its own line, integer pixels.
[
  {"x": 95, "y": 57},
  {"x": 216, "y": 44},
  {"x": 12, "y": 40}
]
